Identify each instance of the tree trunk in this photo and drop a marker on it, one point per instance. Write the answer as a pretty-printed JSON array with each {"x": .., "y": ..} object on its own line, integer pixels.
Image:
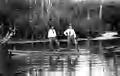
[{"x": 3, "y": 60}]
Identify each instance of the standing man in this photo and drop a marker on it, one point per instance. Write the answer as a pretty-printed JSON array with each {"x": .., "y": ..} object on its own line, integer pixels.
[
  {"x": 71, "y": 36},
  {"x": 52, "y": 37}
]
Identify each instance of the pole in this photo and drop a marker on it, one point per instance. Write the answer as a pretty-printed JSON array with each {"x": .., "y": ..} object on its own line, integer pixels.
[
  {"x": 101, "y": 9},
  {"x": 88, "y": 15},
  {"x": 100, "y": 12},
  {"x": 115, "y": 64}
]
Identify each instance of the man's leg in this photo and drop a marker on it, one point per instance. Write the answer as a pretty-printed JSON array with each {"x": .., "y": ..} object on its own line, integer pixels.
[
  {"x": 51, "y": 43},
  {"x": 57, "y": 42},
  {"x": 76, "y": 43},
  {"x": 69, "y": 43}
]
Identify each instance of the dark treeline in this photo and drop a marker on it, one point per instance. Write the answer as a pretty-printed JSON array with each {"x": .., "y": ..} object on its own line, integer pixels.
[{"x": 32, "y": 20}]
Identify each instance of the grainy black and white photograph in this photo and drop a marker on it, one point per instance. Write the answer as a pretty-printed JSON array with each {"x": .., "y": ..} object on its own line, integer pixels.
[{"x": 59, "y": 38}]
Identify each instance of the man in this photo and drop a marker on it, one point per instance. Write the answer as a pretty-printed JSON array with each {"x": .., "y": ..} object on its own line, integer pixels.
[
  {"x": 52, "y": 37},
  {"x": 71, "y": 36}
]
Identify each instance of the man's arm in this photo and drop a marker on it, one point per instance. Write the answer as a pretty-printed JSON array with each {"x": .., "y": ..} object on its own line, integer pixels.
[
  {"x": 48, "y": 33},
  {"x": 55, "y": 33},
  {"x": 74, "y": 34},
  {"x": 65, "y": 32}
]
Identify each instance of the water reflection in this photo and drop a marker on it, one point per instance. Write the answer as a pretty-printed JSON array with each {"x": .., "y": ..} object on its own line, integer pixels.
[{"x": 65, "y": 65}]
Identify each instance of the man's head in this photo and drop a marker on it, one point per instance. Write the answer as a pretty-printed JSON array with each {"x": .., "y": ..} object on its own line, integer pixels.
[
  {"x": 70, "y": 27},
  {"x": 52, "y": 27}
]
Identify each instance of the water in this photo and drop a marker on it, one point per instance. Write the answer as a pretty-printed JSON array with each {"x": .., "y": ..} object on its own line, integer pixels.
[
  {"x": 65, "y": 65},
  {"x": 87, "y": 62}
]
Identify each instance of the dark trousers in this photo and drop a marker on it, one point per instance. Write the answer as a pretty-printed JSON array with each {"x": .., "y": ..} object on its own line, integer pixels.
[
  {"x": 71, "y": 40},
  {"x": 1, "y": 74},
  {"x": 51, "y": 41}
]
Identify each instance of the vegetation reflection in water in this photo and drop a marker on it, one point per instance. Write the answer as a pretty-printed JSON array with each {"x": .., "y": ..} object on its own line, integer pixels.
[{"x": 68, "y": 65}]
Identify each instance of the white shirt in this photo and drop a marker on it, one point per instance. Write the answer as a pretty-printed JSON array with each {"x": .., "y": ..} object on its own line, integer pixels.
[
  {"x": 70, "y": 32},
  {"x": 51, "y": 33}
]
